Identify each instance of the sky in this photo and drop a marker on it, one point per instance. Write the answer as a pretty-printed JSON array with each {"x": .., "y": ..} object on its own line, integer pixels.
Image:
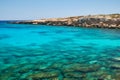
[{"x": 37, "y": 9}]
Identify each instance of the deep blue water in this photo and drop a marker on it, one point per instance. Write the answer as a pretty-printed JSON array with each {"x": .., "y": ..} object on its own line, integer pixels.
[{"x": 39, "y": 52}]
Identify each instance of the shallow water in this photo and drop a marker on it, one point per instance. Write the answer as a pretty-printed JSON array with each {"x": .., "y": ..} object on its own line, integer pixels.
[{"x": 39, "y": 52}]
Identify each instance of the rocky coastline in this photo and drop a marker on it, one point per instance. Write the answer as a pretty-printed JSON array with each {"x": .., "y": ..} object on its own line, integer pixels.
[{"x": 97, "y": 21}]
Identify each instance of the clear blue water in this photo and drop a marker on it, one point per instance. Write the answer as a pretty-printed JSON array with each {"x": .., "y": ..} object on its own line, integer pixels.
[{"x": 39, "y": 52}]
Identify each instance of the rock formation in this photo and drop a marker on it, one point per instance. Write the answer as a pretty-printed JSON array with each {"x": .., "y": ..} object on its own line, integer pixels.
[{"x": 99, "y": 21}]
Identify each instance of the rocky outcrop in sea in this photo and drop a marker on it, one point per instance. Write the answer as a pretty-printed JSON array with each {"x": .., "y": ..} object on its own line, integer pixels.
[{"x": 99, "y": 21}]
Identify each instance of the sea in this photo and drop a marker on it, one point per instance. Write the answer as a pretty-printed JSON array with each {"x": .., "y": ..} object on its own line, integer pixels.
[{"x": 43, "y": 52}]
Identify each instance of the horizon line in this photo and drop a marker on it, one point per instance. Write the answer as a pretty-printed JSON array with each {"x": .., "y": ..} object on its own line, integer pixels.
[{"x": 56, "y": 17}]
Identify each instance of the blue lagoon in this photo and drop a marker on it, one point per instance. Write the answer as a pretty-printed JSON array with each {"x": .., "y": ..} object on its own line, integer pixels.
[{"x": 40, "y": 52}]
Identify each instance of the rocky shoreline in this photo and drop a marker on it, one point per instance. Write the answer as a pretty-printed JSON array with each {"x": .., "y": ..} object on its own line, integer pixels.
[{"x": 97, "y": 21}]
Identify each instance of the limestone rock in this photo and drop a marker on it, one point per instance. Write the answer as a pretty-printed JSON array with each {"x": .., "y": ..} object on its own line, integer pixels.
[{"x": 99, "y": 21}]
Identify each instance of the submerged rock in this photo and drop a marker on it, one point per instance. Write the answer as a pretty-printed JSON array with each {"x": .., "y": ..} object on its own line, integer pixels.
[
  {"x": 117, "y": 76},
  {"x": 5, "y": 76},
  {"x": 43, "y": 75},
  {"x": 93, "y": 62},
  {"x": 101, "y": 75},
  {"x": 74, "y": 75},
  {"x": 56, "y": 66},
  {"x": 69, "y": 79},
  {"x": 81, "y": 68},
  {"x": 117, "y": 59},
  {"x": 115, "y": 66}
]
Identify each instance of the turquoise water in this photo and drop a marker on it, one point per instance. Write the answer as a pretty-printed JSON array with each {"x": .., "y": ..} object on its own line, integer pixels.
[{"x": 39, "y": 52}]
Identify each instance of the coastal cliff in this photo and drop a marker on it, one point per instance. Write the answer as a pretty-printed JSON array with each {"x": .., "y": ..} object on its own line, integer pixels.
[{"x": 99, "y": 21}]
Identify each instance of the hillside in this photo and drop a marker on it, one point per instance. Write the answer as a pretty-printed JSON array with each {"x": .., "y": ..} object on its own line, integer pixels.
[{"x": 100, "y": 21}]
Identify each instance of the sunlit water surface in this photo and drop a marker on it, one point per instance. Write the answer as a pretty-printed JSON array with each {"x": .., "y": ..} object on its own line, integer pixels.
[{"x": 39, "y": 52}]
